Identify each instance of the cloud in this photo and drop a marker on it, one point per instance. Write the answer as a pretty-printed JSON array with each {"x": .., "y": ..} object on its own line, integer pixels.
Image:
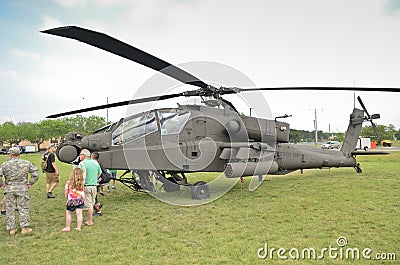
[
  {"x": 72, "y": 3},
  {"x": 49, "y": 22},
  {"x": 8, "y": 74},
  {"x": 16, "y": 53},
  {"x": 111, "y": 3},
  {"x": 93, "y": 3}
]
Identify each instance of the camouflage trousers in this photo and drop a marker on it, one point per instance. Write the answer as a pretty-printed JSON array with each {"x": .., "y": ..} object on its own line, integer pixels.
[{"x": 17, "y": 200}]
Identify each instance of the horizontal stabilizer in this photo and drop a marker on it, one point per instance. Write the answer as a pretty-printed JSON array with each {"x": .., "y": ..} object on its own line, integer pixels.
[{"x": 361, "y": 152}]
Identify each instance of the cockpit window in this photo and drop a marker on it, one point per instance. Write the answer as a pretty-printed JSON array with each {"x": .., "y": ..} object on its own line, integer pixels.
[
  {"x": 105, "y": 128},
  {"x": 134, "y": 128},
  {"x": 172, "y": 121}
]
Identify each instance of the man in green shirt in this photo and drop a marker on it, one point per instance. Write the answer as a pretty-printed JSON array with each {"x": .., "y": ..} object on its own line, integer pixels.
[{"x": 91, "y": 171}]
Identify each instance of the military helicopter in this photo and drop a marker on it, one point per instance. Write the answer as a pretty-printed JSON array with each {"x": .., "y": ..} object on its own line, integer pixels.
[{"x": 213, "y": 137}]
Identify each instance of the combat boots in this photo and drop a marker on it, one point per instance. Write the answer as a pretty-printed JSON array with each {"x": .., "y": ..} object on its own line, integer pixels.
[
  {"x": 13, "y": 231},
  {"x": 25, "y": 230}
]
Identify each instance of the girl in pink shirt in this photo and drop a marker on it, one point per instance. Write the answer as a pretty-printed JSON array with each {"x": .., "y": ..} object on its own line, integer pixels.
[{"x": 74, "y": 195}]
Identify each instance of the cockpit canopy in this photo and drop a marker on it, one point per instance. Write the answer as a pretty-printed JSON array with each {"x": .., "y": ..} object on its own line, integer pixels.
[{"x": 168, "y": 121}]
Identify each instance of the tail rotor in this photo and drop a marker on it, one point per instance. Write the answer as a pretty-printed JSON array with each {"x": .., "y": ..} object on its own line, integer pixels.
[{"x": 371, "y": 118}]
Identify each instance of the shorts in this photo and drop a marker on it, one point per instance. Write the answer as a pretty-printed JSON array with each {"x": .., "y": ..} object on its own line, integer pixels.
[
  {"x": 90, "y": 197},
  {"x": 51, "y": 177},
  {"x": 72, "y": 208}
]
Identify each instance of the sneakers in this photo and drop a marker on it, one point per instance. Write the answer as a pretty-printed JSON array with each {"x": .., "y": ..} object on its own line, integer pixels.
[
  {"x": 25, "y": 230},
  {"x": 3, "y": 213},
  {"x": 98, "y": 213},
  {"x": 113, "y": 187},
  {"x": 13, "y": 231},
  {"x": 50, "y": 195}
]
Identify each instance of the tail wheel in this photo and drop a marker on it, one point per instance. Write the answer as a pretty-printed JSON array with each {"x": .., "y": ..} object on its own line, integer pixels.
[
  {"x": 200, "y": 191},
  {"x": 358, "y": 168}
]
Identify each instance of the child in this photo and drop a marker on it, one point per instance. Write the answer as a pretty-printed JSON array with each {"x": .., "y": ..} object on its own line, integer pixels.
[{"x": 74, "y": 194}]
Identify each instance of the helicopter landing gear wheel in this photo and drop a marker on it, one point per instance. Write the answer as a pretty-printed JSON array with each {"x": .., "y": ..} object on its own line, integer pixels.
[
  {"x": 358, "y": 168},
  {"x": 200, "y": 191}
]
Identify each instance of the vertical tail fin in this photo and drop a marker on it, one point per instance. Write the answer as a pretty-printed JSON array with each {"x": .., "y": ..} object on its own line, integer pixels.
[{"x": 353, "y": 131}]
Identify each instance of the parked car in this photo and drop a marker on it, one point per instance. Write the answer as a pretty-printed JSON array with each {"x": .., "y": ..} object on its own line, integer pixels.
[
  {"x": 387, "y": 143},
  {"x": 3, "y": 151},
  {"x": 331, "y": 145}
]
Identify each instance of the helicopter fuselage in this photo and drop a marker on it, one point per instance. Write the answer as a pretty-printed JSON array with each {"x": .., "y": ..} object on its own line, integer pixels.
[{"x": 194, "y": 138}]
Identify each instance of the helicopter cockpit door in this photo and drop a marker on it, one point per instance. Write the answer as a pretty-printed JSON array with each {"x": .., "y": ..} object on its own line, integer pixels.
[{"x": 172, "y": 122}]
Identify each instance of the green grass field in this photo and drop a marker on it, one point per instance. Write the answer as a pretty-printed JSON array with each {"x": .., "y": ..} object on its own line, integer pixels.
[{"x": 296, "y": 211}]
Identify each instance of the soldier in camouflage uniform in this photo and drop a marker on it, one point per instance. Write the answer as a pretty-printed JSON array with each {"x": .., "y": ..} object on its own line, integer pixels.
[{"x": 16, "y": 189}]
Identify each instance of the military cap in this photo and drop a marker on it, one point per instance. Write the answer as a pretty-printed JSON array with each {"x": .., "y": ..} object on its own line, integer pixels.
[{"x": 14, "y": 151}]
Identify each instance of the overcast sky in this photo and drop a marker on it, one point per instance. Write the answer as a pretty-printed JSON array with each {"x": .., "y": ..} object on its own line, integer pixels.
[{"x": 273, "y": 43}]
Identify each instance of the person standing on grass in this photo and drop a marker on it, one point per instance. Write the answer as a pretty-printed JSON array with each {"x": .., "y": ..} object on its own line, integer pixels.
[
  {"x": 75, "y": 197},
  {"x": 16, "y": 189},
  {"x": 3, "y": 201},
  {"x": 113, "y": 173},
  {"x": 97, "y": 206},
  {"x": 51, "y": 171},
  {"x": 91, "y": 171},
  {"x": 104, "y": 177}
]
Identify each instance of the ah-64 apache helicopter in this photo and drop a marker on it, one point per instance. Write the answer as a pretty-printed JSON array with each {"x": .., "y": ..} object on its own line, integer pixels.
[{"x": 212, "y": 137}]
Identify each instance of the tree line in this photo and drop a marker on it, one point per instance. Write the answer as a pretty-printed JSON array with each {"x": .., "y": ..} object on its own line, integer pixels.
[
  {"x": 53, "y": 130},
  {"x": 386, "y": 132},
  {"x": 297, "y": 136}
]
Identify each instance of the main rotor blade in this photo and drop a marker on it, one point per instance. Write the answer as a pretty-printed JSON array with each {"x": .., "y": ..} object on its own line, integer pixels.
[
  {"x": 117, "y": 104},
  {"x": 370, "y": 89},
  {"x": 110, "y": 44}
]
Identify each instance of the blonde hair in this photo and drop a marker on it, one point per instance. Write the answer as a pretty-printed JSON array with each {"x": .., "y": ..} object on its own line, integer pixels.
[{"x": 75, "y": 180}]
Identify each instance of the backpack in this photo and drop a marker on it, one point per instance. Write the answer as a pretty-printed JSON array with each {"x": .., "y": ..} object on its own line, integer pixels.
[
  {"x": 105, "y": 177},
  {"x": 43, "y": 164}
]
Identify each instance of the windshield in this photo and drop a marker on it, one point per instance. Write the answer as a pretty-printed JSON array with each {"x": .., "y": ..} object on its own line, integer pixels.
[
  {"x": 134, "y": 128},
  {"x": 172, "y": 121}
]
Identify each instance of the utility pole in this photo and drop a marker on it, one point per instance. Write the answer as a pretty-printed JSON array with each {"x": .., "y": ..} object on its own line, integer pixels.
[
  {"x": 107, "y": 112},
  {"x": 316, "y": 127}
]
